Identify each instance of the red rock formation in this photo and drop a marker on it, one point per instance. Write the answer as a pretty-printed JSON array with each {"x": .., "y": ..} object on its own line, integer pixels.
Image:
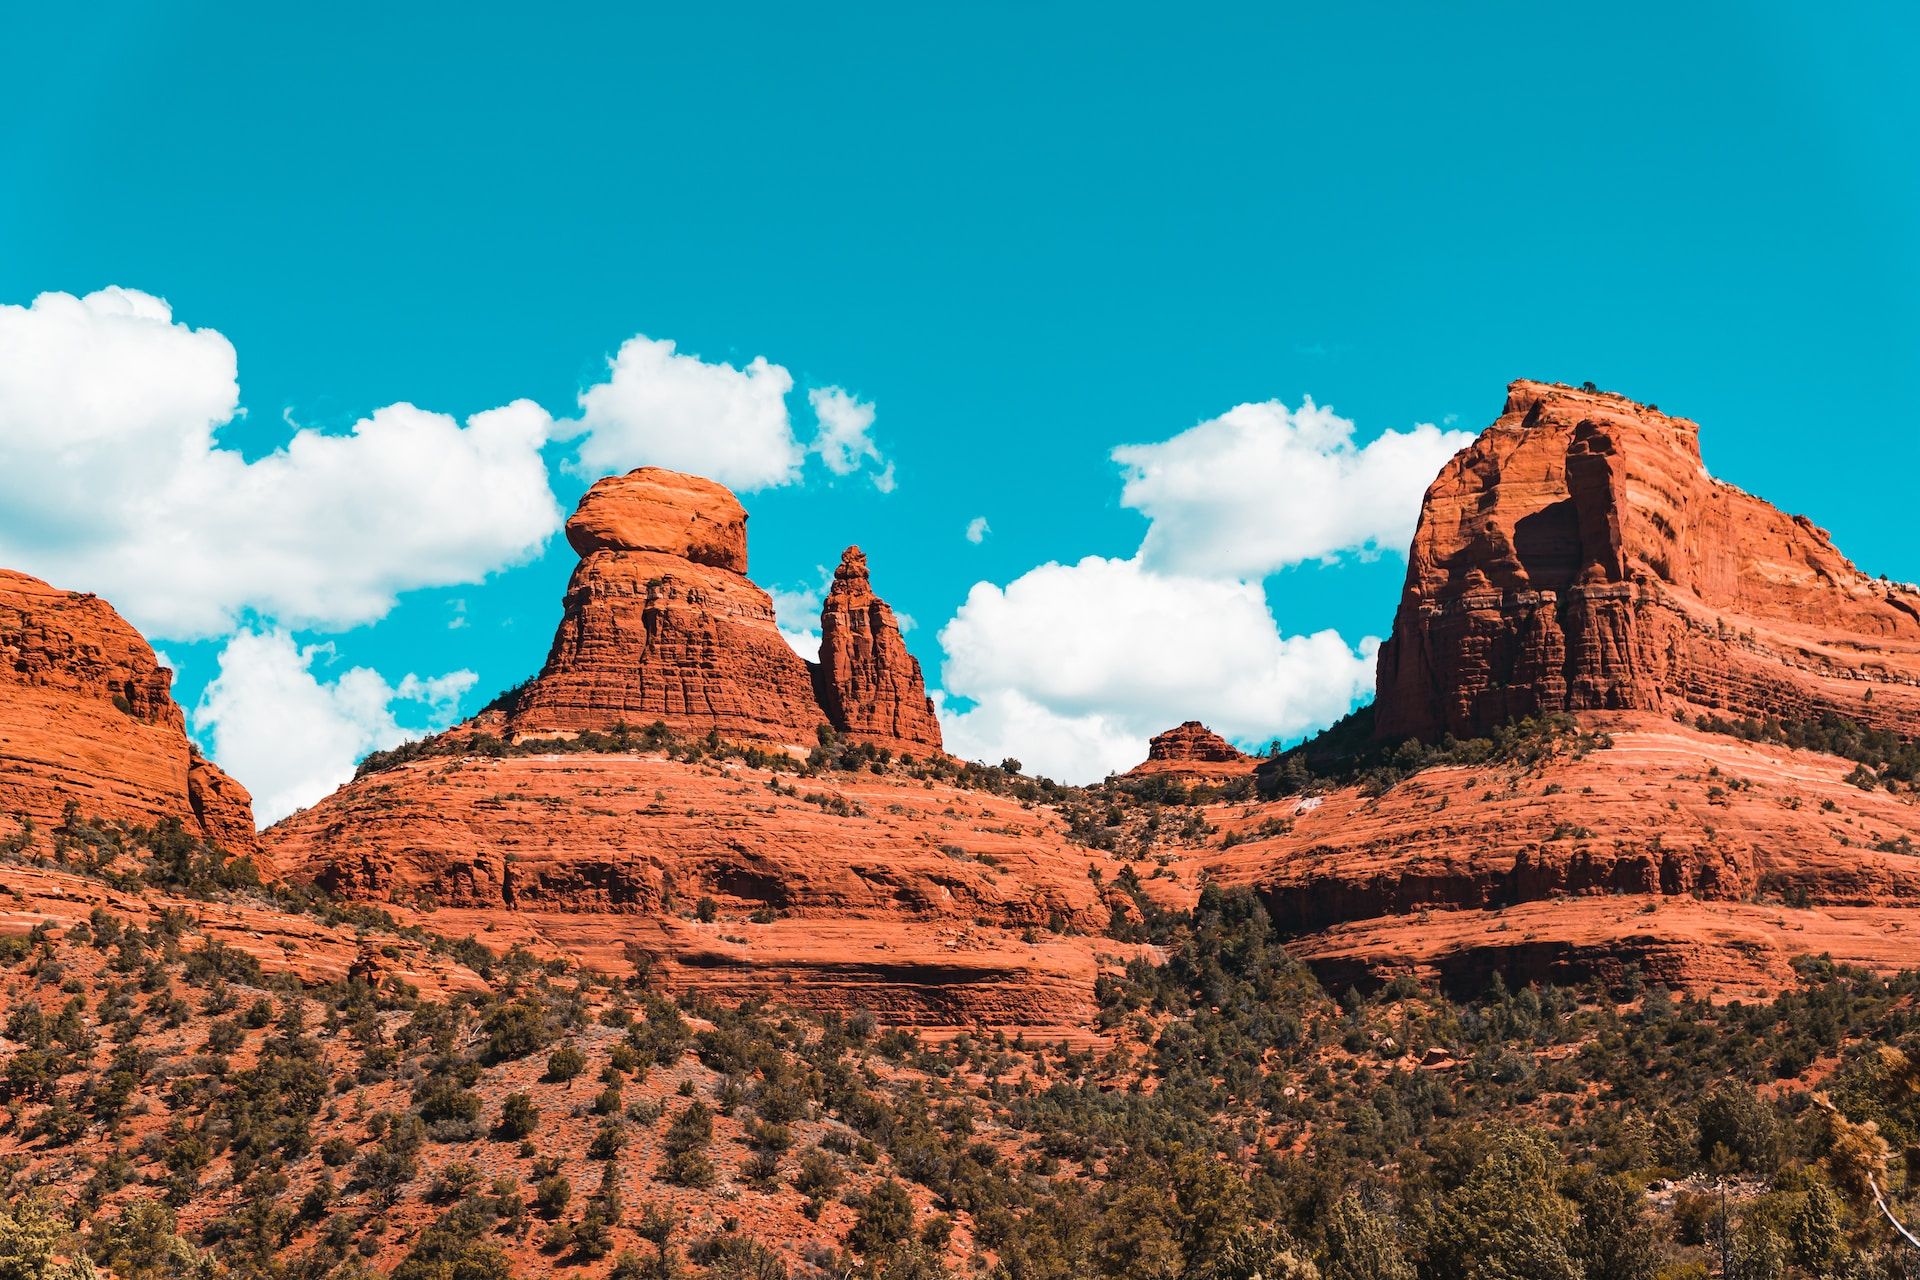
[
  {"x": 895, "y": 893},
  {"x": 1709, "y": 861},
  {"x": 915, "y": 900},
  {"x": 1577, "y": 556},
  {"x": 681, "y": 516},
  {"x": 222, "y": 806},
  {"x": 1193, "y": 742},
  {"x": 1191, "y": 750},
  {"x": 86, "y": 715},
  {"x": 661, "y": 622},
  {"x": 869, "y": 685}
]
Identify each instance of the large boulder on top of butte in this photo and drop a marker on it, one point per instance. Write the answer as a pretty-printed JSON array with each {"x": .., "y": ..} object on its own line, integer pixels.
[
  {"x": 1578, "y": 557},
  {"x": 666, "y": 512},
  {"x": 661, "y": 622},
  {"x": 868, "y": 683},
  {"x": 87, "y": 716}
]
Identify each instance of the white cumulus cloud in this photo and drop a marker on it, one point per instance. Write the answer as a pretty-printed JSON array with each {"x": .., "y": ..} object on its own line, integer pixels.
[
  {"x": 1094, "y": 658},
  {"x": 796, "y": 610},
  {"x": 1073, "y": 667},
  {"x": 126, "y": 470},
  {"x": 1007, "y": 724},
  {"x": 293, "y": 736},
  {"x": 1262, "y": 487},
  {"x": 111, "y": 481},
  {"x": 659, "y": 407},
  {"x": 978, "y": 529},
  {"x": 845, "y": 438}
]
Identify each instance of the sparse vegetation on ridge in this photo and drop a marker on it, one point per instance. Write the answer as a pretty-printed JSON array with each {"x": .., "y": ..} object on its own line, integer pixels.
[
  {"x": 1347, "y": 754},
  {"x": 832, "y": 752},
  {"x": 1886, "y": 759}
]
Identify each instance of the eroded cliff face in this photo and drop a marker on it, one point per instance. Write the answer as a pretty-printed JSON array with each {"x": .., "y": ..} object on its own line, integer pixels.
[
  {"x": 913, "y": 899},
  {"x": 87, "y": 716},
  {"x": 1707, "y": 862},
  {"x": 662, "y": 623},
  {"x": 1577, "y": 556}
]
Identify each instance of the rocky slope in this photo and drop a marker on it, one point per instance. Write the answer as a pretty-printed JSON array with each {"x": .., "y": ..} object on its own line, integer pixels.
[
  {"x": 1707, "y": 861},
  {"x": 906, "y": 896},
  {"x": 86, "y": 717},
  {"x": 1576, "y": 558},
  {"x": 203, "y": 1081}
]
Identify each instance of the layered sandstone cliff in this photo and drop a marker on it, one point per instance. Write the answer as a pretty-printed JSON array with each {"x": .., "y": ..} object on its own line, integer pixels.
[
  {"x": 1705, "y": 861},
  {"x": 1577, "y": 556},
  {"x": 908, "y": 897},
  {"x": 661, "y": 623},
  {"x": 87, "y": 717}
]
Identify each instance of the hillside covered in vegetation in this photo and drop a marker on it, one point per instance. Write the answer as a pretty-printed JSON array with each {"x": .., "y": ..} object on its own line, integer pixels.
[{"x": 169, "y": 1107}]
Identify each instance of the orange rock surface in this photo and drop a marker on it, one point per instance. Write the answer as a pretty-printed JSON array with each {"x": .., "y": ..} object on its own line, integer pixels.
[
  {"x": 918, "y": 901},
  {"x": 1708, "y": 861},
  {"x": 1577, "y": 556},
  {"x": 886, "y": 892},
  {"x": 667, "y": 512},
  {"x": 661, "y": 622},
  {"x": 86, "y": 715},
  {"x": 307, "y": 947},
  {"x": 870, "y": 686}
]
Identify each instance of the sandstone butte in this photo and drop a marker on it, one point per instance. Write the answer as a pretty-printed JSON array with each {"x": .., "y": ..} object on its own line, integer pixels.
[
  {"x": 1191, "y": 752},
  {"x": 661, "y": 623},
  {"x": 87, "y": 717},
  {"x": 910, "y": 897},
  {"x": 1577, "y": 558}
]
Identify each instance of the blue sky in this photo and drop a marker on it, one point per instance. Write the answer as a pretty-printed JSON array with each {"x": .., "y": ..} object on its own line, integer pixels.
[{"x": 1023, "y": 235}]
